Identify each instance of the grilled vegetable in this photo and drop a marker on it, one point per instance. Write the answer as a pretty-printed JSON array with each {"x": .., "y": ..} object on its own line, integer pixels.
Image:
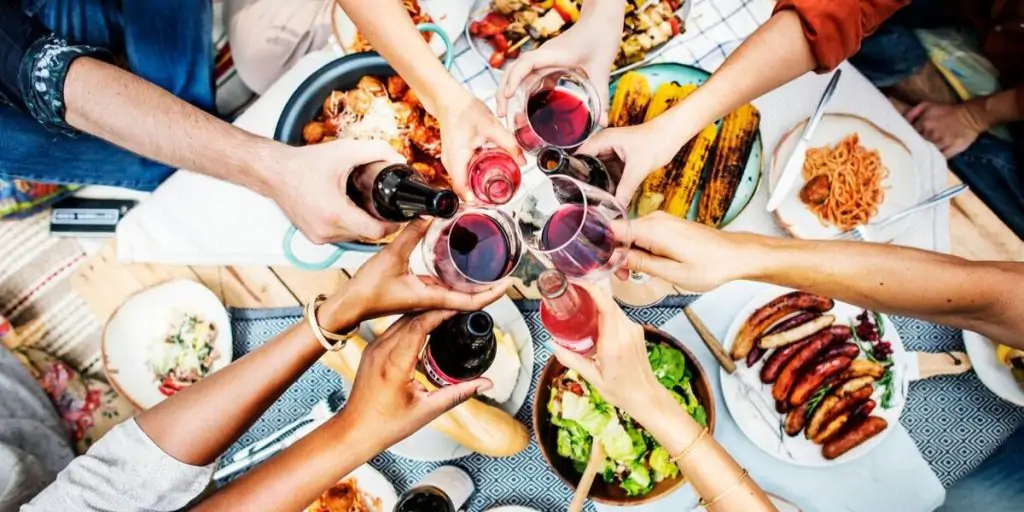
[
  {"x": 652, "y": 191},
  {"x": 632, "y": 94},
  {"x": 735, "y": 141},
  {"x": 685, "y": 179}
]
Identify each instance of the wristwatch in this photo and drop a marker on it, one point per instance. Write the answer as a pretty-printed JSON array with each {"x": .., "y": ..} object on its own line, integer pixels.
[{"x": 322, "y": 335}]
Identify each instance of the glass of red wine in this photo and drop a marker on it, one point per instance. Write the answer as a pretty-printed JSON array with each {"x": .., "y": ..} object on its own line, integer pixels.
[
  {"x": 567, "y": 224},
  {"x": 560, "y": 108},
  {"x": 494, "y": 175},
  {"x": 472, "y": 250}
]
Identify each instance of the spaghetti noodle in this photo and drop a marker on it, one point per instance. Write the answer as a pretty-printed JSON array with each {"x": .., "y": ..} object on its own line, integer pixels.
[{"x": 853, "y": 176}]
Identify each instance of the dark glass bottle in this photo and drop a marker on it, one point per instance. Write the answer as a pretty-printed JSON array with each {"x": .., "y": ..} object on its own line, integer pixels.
[
  {"x": 461, "y": 348},
  {"x": 445, "y": 489},
  {"x": 425, "y": 499},
  {"x": 396, "y": 193},
  {"x": 585, "y": 168}
]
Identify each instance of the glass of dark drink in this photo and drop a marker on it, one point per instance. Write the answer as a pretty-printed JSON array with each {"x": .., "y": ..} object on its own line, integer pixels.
[
  {"x": 567, "y": 224},
  {"x": 494, "y": 175},
  {"x": 560, "y": 108},
  {"x": 472, "y": 250}
]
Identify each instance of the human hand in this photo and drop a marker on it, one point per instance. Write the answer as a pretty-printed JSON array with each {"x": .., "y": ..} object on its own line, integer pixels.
[
  {"x": 466, "y": 125},
  {"x": 385, "y": 285},
  {"x": 585, "y": 45},
  {"x": 952, "y": 128},
  {"x": 386, "y": 400},
  {"x": 690, "y": 255},
  {"x": 311, "y": 189}
]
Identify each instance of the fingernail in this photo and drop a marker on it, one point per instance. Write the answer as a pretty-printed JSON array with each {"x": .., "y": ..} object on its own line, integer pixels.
[{"x": 485, "y": 385}]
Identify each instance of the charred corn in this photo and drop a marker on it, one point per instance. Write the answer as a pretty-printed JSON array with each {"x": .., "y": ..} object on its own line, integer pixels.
[
  {"x": 632, "y": 94},
  {"x": 685, "y": 179},
  {"x": 735, "y": 141},
  {"x": 652, "y": 190}
]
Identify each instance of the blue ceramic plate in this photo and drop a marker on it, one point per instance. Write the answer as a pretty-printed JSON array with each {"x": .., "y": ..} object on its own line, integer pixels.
[{"x": 658, "y": 74}]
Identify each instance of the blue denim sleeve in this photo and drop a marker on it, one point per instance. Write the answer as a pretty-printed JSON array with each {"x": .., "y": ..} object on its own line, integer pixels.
[{"x": 33, "y": 65}]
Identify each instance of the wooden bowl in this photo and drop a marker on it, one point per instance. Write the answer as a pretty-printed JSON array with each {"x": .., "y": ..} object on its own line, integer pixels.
[{"x": 601, "y": 492}]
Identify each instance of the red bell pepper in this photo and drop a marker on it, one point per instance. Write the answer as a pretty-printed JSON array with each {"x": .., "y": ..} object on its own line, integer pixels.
[
  {"x": 497, "y": 60},
  {"x": 675, "y": 25},
  {"x": 499, "y": 43}
]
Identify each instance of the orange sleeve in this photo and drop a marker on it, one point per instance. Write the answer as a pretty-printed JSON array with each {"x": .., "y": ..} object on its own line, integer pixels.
[{"x": 835, "y": 28}]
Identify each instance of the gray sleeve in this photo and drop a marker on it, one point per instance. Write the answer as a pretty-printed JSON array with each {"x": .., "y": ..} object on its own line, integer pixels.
[{"x": 124, "y": 471}]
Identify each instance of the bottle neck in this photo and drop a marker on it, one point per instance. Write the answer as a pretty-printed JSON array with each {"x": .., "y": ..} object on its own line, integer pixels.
[
  {"x": 559, "y": 295},
  {"x": 581, "y": 167},
  {"x": 400, "y": 194}
]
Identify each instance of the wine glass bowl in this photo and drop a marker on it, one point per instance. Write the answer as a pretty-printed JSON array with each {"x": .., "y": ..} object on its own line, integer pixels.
[
  {"x": 560, "y": 108},
  {"x": 472, "y": 250},
  {"x": 567, "y": 225}
]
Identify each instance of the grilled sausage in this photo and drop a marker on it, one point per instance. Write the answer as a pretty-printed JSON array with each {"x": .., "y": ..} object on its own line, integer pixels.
[
  {"x": 756, "y": 353},
  {"x": 863, "y": 410},
  {"x": 815, "y": 345},
  {"x": 843, "y": 350},
  {"x": 854, "y": 384},
  {"x": 765, "y": 316},
  {"x": 862, "y": 368},
  {"x": 797, "y": 333},
  {"x": 831, "y": 428},
  {"x": 812, "y": 379},
  {"x": 849, "y": 404},
  {"x": 782, "y": 406},
  {"x": 858, "y": 433},
  {"x": 821, "y": 414},
  {"x": 777, "y": 361},
  {"x": 795, "y": 420},
  {"x": 841, "y": 333}
]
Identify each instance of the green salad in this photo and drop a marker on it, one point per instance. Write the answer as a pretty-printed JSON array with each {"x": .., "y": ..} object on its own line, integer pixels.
[{"x": 634, "y": 459}]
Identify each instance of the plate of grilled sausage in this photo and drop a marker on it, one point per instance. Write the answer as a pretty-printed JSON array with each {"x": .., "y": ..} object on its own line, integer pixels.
[{"x": 831, "y": 377}]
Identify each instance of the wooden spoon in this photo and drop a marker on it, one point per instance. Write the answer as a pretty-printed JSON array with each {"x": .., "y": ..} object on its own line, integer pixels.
[{"x": 583, "y": 488}]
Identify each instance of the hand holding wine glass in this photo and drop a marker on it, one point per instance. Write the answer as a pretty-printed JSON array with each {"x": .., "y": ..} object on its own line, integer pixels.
[
  {"x": 467, "y": 124},
  {"x": 472, "y": 251}
]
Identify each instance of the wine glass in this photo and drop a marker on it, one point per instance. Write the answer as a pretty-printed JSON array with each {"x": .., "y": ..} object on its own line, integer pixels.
[
  {"x": 560, "y": 108},
  {"x": 472, "y": 250},
  {"x": 568, "y": 225}
]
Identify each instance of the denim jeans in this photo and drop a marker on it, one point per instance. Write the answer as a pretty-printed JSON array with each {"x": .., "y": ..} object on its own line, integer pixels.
[
  {"x": 989, "y": 166},
  {"x": 996, "y": 486},
  {"x": 167, "y": 43}
]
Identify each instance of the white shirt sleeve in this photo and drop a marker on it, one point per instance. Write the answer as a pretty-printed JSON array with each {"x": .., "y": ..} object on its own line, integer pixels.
[{"x": 125, "y": 471}]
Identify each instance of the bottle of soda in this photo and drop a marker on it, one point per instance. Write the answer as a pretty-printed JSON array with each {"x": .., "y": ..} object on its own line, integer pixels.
[
  {"x": 461, "y": 348},
  {"x": 585, "y": 168},
  {"x": 445, "y": 489},
  {"x": 568, "y": 312},
  {"x": 397, "y": 193}
]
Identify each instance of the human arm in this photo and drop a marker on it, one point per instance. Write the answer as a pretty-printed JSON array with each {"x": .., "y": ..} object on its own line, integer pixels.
[
  {"x": 980, "y": 296},
  {"x": 592, "y": 43},
  {"x": 622, "y": 374},
  {"x": 466, "y": 123},
  {"x": 953, "y": 128}
]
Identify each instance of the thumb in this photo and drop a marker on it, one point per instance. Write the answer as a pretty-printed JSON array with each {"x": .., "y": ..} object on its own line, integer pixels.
[
  {"x": 632, "y": 177},
  {"x": 450, "y": 397},
  {"x": 657, "y": 266},
  {"x": 915, "y": 112},
  {"x": 355, "y": 220},
  {"x": 583, "y": 365},
  {"x": 504, "y": 139}
]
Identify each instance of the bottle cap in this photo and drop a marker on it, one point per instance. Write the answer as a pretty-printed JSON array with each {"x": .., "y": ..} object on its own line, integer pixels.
[{"x": 444, "y": 204}]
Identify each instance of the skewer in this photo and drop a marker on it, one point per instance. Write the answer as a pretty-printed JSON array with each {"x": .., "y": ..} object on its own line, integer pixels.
[{"x": 518, "y": 44}]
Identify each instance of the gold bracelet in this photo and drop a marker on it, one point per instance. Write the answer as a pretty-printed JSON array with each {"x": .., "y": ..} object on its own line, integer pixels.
[
  {"x": 321, "y": 334},
  {"x": 689, "y": 448},
  {"x": 738, "y": 483}
]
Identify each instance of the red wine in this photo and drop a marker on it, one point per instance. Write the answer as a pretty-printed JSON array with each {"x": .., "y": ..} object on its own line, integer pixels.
[
  {"x": 559, "y": 117},
  {"x": 477, "y": 247},
  {"x": 461, "y": 348},
  {"x": 568, "y": 312},
  {"x": 585, "y": 168},
  {"x": 581, "y": 240},
  {"x": 397, "y": 193}
]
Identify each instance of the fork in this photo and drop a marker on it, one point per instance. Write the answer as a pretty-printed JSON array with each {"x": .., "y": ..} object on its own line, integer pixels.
[{"x": 861, "y": 233}]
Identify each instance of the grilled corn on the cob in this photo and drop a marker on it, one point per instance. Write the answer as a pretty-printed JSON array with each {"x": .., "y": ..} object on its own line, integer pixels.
[{"x": 735, "y": 141}]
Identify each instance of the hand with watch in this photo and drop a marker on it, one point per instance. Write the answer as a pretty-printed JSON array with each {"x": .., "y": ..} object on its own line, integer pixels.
[{"x": 385, "y": 404}]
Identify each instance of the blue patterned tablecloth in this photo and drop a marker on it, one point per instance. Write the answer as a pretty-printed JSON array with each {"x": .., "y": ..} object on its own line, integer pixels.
[{"x": 955, "y": 421}]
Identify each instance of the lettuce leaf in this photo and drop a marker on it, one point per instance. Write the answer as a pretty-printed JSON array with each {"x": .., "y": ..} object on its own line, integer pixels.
[
  {"x": 669, "y": 365},
  {"x": 582, "y": 410},
  {"x": 660, "y": 464},
  {"x": 639, "y": 480}
]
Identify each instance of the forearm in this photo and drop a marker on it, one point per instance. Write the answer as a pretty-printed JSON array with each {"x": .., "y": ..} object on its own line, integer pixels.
[
  {"x": 125, "y": 110},
  {"x": 294, "y": 478},
  {"x": 773, "y": 55},
  {"x": 708, "y": 467},
  {"x": 388, "y": 27},
  {"x": 221, "y": 407},
  {"x": 979, "y": 296}
]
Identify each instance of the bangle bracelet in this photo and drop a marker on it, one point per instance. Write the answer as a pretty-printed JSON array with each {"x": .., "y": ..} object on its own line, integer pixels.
[
  {"x": 743, "y": 478},
  {"x": 321, "y": 334},
  {"x": 689, "y": 448}
]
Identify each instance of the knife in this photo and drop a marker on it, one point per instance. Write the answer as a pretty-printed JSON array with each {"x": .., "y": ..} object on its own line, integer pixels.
[{"x": 795, "y": 163}]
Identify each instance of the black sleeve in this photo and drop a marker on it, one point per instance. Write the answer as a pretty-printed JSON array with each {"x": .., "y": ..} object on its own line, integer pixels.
[{"x": 33, "y": 65}]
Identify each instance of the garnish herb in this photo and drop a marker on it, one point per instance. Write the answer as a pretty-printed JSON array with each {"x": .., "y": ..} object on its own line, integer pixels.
[
  {"x": 815, "y": 400},
  {"x": 888, "y": 382}
]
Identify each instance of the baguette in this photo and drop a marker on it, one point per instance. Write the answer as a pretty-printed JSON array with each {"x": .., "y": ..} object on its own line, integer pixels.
[{"x": 479, "y": 427}]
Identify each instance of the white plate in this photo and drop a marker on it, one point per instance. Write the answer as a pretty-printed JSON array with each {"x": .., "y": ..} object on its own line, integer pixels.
[
  {"x": 430, "y": 445},
  {"x": 780, "y": 504},
  {"x": 375, "y": 485},
  {"x": 992, "y": 373},
  {"x": 512, "y": 508},
  {"x": 803, "y": 451},
  {"x": 901, "y": 187},
  {"x": 450, "y": 15},
  {"x": 142, "y": 320}
]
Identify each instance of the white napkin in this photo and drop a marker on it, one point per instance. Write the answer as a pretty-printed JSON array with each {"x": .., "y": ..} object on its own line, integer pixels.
[{"x": 893, "y": 476}]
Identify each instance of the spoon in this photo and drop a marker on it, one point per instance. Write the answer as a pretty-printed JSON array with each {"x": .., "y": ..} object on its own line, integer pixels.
[{"x": 583, "y": 488}]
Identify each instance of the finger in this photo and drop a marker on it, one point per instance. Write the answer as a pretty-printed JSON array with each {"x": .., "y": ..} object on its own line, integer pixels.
[
  {"x": 632, "y": 177},
  {"x": 450, "y": 397},
  {"x": 499, "y": 135},
  {"x": 915, "y": 112},
  {"x": 511, "y": 81},
  {"x": 364, "y": 152},
  {"x": 622, "y": 273},
  {"x": 606, "y": 305},
  {"x": 409, "y": 333},
  {"x": 406, "y": 241},
  {"x": 356, "y": 221},
  {"x": 449, "y": 299},
  {"x": 657, "y": 266},
  {"x": 583, "y": 365},
  {"x": 602, "y": 142},
  {"x": 456, "y": 162}
]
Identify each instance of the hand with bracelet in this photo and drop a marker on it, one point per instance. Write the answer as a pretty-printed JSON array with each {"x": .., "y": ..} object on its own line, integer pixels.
[
  {"x": 621, "y": 372},
  {"x": 195, "y": 426}
]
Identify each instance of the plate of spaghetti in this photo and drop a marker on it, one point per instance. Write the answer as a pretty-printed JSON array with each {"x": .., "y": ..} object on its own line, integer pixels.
[{"x": 854, "y": 173}]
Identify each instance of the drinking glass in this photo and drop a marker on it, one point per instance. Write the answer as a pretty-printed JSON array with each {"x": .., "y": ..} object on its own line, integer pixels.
[
  {"x": 560, "y": 108},
  {"x": 567, "y": 224},
  {"x": 474, "y": 249}
]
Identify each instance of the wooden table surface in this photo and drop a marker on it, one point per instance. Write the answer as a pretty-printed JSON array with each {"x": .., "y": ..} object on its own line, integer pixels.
[{"x": 104, "y": 283}]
